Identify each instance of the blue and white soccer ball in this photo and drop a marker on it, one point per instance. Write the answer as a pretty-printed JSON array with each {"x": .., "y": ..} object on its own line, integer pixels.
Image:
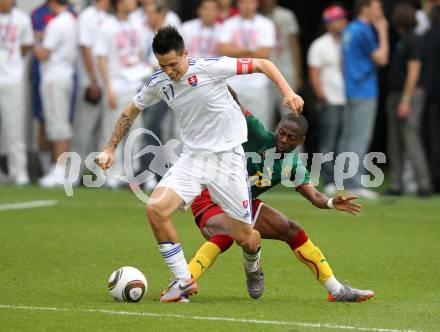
[{"x": 127, "y": 284}]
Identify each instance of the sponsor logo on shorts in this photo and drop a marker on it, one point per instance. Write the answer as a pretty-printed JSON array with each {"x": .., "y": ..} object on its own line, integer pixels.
[{"x": 245, "y": 203}]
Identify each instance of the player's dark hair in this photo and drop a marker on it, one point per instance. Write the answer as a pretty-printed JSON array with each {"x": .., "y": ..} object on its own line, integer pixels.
[
  {"x": 299, "y": 120},
  {"x": 404, "y": 16},
  {"x": 168, "y": 39},
  {"x": 359, "y": 4}
]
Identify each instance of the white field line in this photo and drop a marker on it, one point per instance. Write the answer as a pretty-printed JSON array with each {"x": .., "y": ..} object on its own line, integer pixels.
[
  {"x": 27, "y": 205},
  {"x": 207, "y": 318}
]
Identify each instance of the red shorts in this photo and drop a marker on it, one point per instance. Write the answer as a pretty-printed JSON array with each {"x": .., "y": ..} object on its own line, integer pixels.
[{"x": 204, "y": 208}]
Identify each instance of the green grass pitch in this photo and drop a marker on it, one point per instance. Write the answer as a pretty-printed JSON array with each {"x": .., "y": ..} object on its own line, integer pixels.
[{"x": 55, "y": 263}]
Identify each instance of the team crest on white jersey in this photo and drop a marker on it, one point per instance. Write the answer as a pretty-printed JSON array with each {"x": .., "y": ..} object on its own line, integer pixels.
[{"x": 192, "y": 80}]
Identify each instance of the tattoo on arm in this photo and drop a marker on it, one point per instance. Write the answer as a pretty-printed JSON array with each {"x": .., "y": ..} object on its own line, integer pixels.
[{"x": 122, "y": 127}]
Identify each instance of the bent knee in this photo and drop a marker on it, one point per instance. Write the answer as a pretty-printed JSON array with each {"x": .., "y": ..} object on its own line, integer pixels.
[
  {"x": 291, "y": 230},
  {"x": 156, "y": 212}
]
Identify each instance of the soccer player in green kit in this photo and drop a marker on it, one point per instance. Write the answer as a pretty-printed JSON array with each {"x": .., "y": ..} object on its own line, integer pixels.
[{"x": 264, "y": 175}]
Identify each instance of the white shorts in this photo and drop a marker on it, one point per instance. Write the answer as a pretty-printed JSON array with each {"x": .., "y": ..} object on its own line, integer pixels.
[
  {"x": 223, "y": 173},
  {"x": 56, "y": 97}
]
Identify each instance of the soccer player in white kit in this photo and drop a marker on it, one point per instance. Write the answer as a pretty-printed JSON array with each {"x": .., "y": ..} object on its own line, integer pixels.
[
  {"x": 16, "y": 37},
  {"x": 213, "y": 129}
]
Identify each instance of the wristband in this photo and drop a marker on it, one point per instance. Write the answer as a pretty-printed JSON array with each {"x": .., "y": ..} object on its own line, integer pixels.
[{"x": 330, "y": 203}]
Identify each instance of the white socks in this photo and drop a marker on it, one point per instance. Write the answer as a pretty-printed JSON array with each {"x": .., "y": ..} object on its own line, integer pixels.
[
  {"x": 251, "y": 261},
  {"x": 172, "y": 253},
  {"x": 332, "y": 285}
]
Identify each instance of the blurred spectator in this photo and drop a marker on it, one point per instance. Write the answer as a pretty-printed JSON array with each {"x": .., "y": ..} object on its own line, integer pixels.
[
  {"x": 405, "y": 104},
  {"x": 120, "y": 51},
  {"x": 250, "y": 35},
  {"x": 90, "y": 105},
  {"x": 362, "y": 51},
  {"x": 171, "y": 18},
  {"x": 200, "y": 34},
  {"x": 16, "y": 37},
  {"x": 57, "y": 55},
  {"x": 326, "y": 77},
  {"x": 287, "y": 51},
  {"x": 154, "y": 118},
  {"x": 431, "y": 84},
  {"x": 226, "y": 10},
  {"x": 422, "y": 16},
  {"x": 40, "y": 18},
  {"x": 155, "y": 17}
]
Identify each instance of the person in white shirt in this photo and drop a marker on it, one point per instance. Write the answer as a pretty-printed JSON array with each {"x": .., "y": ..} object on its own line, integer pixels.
[
  {"x": 57, "y": 54},
  {"x": 200, "y": 34},
  {"x": 90, "y": 105},
  {"x": 212, "y": 128},
  {"x": 251, "y": 35},
  {"x": 16, "y": 37},
  {"x": 287, "y": 51},
  {"x": 325, "y": 72},
  {"x": 120, "y": 50}
]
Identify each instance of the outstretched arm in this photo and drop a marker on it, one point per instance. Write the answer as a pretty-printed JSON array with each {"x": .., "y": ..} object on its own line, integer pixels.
[
  {"x": 291, "y": 100},
  {"x": 106, "y": 158},
  {"x": 321, "y": 201}
]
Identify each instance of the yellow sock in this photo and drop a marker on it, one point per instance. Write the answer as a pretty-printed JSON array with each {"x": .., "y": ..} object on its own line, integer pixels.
[
  {"x": 310, "y": 255},
  {"x": 203, "y": 259}
]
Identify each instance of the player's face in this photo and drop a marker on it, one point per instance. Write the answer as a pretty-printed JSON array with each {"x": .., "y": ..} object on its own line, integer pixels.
[
  {"x": 288, "y": 135},
  {"x": 175, "y": 65}
]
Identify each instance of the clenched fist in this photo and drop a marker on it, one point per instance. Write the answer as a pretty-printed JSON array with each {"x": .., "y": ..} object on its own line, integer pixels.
[{"x": 106, "y": 158}]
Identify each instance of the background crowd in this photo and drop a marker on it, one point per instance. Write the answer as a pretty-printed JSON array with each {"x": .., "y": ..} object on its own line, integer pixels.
[{"x": 87, "y": 63}]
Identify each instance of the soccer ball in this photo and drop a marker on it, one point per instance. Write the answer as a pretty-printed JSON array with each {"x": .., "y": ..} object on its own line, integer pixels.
[{"x": 127, "y": 284}]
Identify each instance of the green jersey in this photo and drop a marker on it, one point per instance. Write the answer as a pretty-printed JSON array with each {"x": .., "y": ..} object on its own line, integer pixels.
[{"x": 265, "y": 168}]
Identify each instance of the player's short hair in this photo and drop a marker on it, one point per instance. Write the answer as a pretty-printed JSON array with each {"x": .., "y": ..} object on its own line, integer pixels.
[
  {"x": 299, "y": 120},
  {"x": 404, "y": 16},
  {"x": 168, "y": 39}
]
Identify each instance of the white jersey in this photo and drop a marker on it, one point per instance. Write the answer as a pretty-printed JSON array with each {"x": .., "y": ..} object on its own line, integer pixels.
[
  {"x": 286, "y": 25},
  {"x": 89, "y": 23},
  {"x": 121, "y": 43},
  {"x": 60, "y": 38},
  {"x": 251, "y": 34},
  {"x": 15, "y": 31},
  {"x": 325, "y": 53},
  {"x": 200, "y": 40},
  {"x": 209, "y": 118}
]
